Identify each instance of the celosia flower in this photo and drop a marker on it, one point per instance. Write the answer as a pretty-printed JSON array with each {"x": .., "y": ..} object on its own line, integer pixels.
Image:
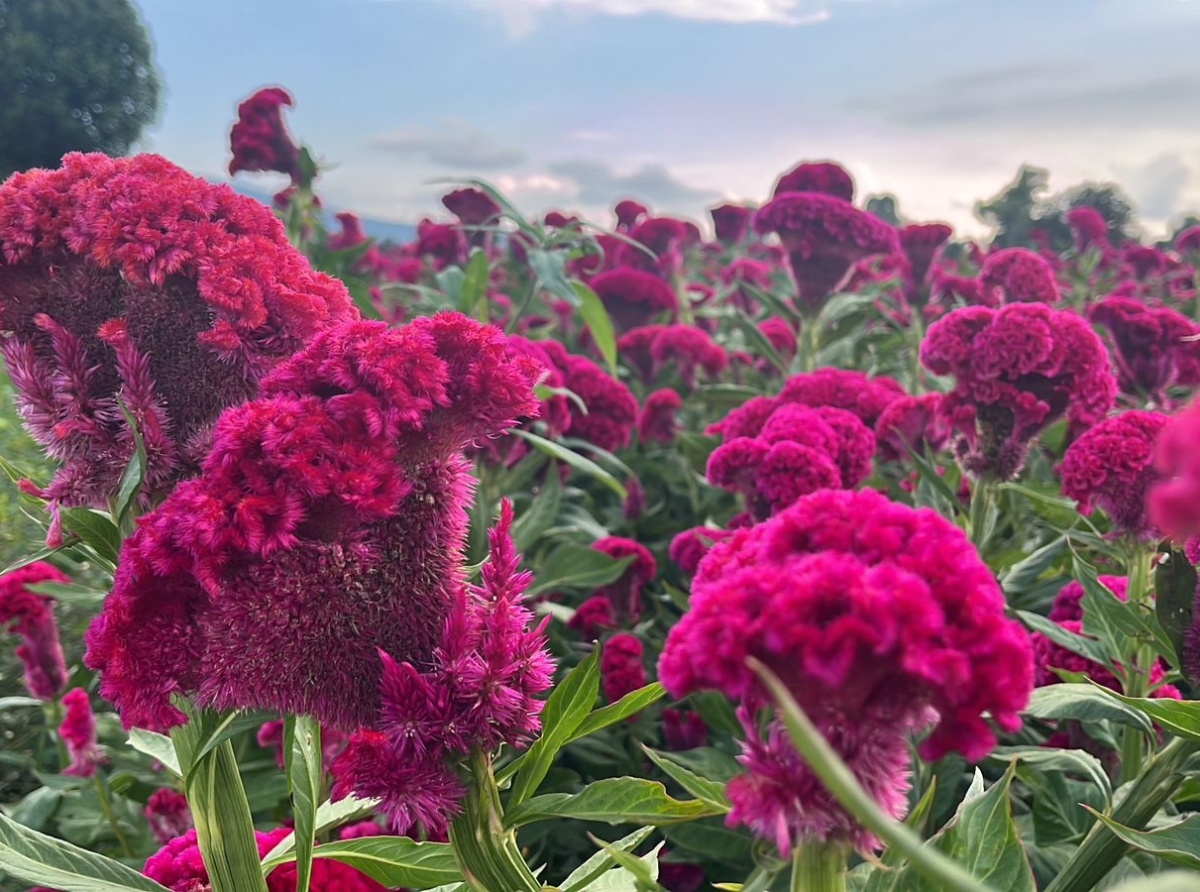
[
  {"x": 666, "y": 237},
  {"x": 730, "y": 222},
  {"x": 817, "y": 176},
  {"x": 168, "y": 814},
  {"x": 445, "y": 244},
  {"x": 824, "y": 237},
  {"x": 629, "y": 214},
  {"x": 950, "y": 289},
  {"x": 1188, "y": 241},
  {"x": 593, "y": 617},
  {"x": 1017, "y": 275},
  {"x": 1174, "y": 504},
  {"x": 688, "y": 548},
  {"x": 478, "y": 691},
  {"x": 746, "y": 271},
  {"x": 625, "y": 592},
  {"x": 1152, "y": 350},
  {"x": 1112, "y": 466},
  {"x": 1088, "y": 227},
  {"x": 683, "y": 730},
  {"x": 1017, "y": 369},
  {"x": 1049, "y": 656},
  {"x": 780, "y": 335},
  {"x": 911, "y": 422},
  {"x": 881, "y": 620},
  {"x": 634, "y": 297},
  {"x": 1144, "y": 261},
  {"x": 921, "y": 243},
  {"x": 621, "y": 669},
  {"x": 131, "y": 281},
  {"x": 633, "y": 348},
  {"x": 611, "y": 409},
  {"x": 554, "y": 411},
  {"x": 1067, "y": 603},
  {"x": 690, "y": 349},
  {"x": 351, "y": 234},
  {"x": 31, "y": 616},
  {"x": 657, "y": 423},
  {"x": 677, "y": 876},
  {"x": 559, "y": 220},
  {"x": 836, "y": 432},
  {"x": 271, "y": 736},
  {"x": 746, "y": 420},
  {"x": 845, "y": 389},
  {"x": 472, "y": 206},
  {"x": 78, "y": 732},
  {"x": 327, "y": 526},
  {"x": 260, "y": 140}
]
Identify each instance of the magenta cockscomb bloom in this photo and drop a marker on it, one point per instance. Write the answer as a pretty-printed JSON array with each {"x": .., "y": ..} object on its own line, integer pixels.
[
  {"x": 593, "y": 617},
  {"x": 746, "y": 420},
  {"x": 479, "y": 689},
  {"x": 1018, "y": 275},
  {"x": 911, "y": 422},
  {"x": 621, "y": 668},
  {"x": 625, "y": 592},
  {"x": 825, "y": 177},
  {"x": 612, "y": 410},
  {"x": 78, "y": 732},
  {"x": 634, "y": 297},
  {"x": 472, "y": 206},
  {"x": 742, "y": 272},
  {"x": 956, "y": 290},
  {"x": 168, "y": 815},
  {"x": 730, "y": 222},
  {"x": 1154, "y": 348},
  {"x": 1111, "y": 466},
  {"x": 657, "y": 422},
  {"x": 1088, "y": 227},
  {"x": 683, "y": 730},
  {"x": 131, "y": 281},
  {"x": 1144, "y": 261},
  {"x": 921, "y": 244},
  {"x": 847, "y": 389},
  {"x": 1174, "y": 504},
  {"x": 553, "y": 412},
  {"x": 690, "y": 350},
  {"x": 1067, "y": 603},
  {"x": 781, "y": 335},
  {"x": 688, "y": 548},
  {"x": 444, "y": 244},
  {"x": 824, "y": 237},
  {"x": 666, "y": 237},
  {"x": 559, "y": 219},
  {"x": 1017, "y": 369},
  {"x": 1049, "y": 656},
  {"x": 31, "y": 616},
  {"x": 1188, "y": 241},
  {"x": 633, "y": 348},
  {"x": 327, "y": 525},
  {"x": 629, "y": 213},
  {"x": 882, "y": 621},
  {"x": 260, "y": 140}
]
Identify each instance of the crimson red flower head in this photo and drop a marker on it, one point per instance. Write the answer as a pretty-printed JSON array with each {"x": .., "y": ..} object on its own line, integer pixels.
[
  {"x": 612, "y": 410},
  {"x": 621, "y": 668},
  {"x": 634, "y": 297},
  {"x": 1153, "y": 346},
  {"x": 625, "y": 593},
  {"x": 730, "y": 222},
  {"x": 31, "y": 616},
  {"x": 1088, "y": 226},
  {"x": 1018, "y": 275},
  {"x": 666, "y": 237},
  {"x": 847, "y": 389},
  {"x": 131, "y": 281},
  {"x": 472, "y": 206},
  {"x": 657, "y": 422},
  {"x": 78, "y": 733},
  {"x": 824, "y": 237},
  {"x": 921, "y": 243},
  {"x": 825, "y": 177},
  {"x": 260, "y": 140},
  {"x": 629, "y": 214}
]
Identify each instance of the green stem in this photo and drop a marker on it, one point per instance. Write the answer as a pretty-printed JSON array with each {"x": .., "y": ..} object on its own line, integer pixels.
[
  {"x": 485, "y": 850},
  {"x": 1101, "y": 851},
  {"x": 982, "y": 493},
  {"x": 1137, "y": 659},
  {"x": 809, "y": 339},
  {"x": 819, "y": 867},
  {"x": 917, "y": 333},
  {"x": 110, "y": 815}
]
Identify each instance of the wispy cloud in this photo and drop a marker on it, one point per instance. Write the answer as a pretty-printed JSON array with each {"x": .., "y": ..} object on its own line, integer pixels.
[
  {"x": 451, "y": 143},
  {"x": 521, "y": 16}
]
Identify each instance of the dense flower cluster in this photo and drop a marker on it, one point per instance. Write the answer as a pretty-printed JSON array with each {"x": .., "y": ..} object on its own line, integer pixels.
[
  {"x": 1154, "y": 347},
  {"x": 634, "y": 297},
  {"x": 1017, "y": 275},
  {"x": 260, "y": 140},
  {"x": 825, "y": 177},
  {"x": 911, "y": 422},
  {"x": 167, "y": 814},
  {"x": 31, "y": 616},
  {"x": 881, "y": 620},
  {"x": 625, "y": 592},
  {"x": 730, "y": 222},
  {"x": 658, "y": 422},
  {"x": 78, "y": 733},
  {"x": 621, "y": 669},
  {"x": 921, "y": 244}
]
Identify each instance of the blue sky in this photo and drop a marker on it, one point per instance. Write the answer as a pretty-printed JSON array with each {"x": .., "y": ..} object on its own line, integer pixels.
[{"x": 684, "y": 103}]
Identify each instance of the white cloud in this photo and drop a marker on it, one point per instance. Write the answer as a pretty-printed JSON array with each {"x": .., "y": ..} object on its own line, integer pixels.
[
  {"x": 450, "y": 143},
  {"x": 520, "y": 16}
]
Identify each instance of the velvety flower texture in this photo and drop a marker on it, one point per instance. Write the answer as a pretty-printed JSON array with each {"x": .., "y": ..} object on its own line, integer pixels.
[
  {"x": 593, "y": 617},
  {"x": 666, "y": 237},
  {"x": 629, "y": 214},
  {"x": 817, "y": 176},
  {"x": 688, "y": 548},
  {"x": 129, "y": 280},
  {"x": 1017, "y": 369},
  {"x": 1088, "y": 227},
  {"x": 1017, "y": 275},
  {"x": 621, "y": 669},
  {"x": 657, "y": 423},
  {"x": 472, "y": 206},
  {"x": 881, "y": 620},
  {"x": 1174, "y": 504},
  {"x": 1112, "y": 466},
  {"x": 31, "y": 616},
  {"x": 921, "y": 243},
  {"x": 1067, "y": 604},
  {"x": 478, "y": 690},
  {"x": 327, "y": 526},
  {"x": 634, "y": 297},
  {"x": 1151, "y": 346},
  {"x": 612, "y": 410},
  {"x": 847, "y": 389},
  {"x": 625, "y": 592},
  {"x": 730, "y": 222},
  {"x": 911, "y": 422},
  {"x": 78, "y": 732},
  {"x": 167, "y": 814},
  {"x": 824, "y": 237},
  {"x": 260, "y": 140}
]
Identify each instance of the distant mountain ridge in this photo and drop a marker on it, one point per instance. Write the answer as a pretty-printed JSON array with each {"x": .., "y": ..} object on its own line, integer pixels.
[{"x": 380, "y": 230}]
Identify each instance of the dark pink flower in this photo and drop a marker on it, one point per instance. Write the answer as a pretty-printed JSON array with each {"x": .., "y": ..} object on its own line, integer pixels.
[
  {"x": 472, "y": 206},
  {"x": 1111, "y": 466},
  {"x": 772, "y": 477},
  {"x": 629, "y": 214},
  {"x": 951, "y": 289},
  {"x": 327, "y": 526},
  {"x": 1088, "y": 226},
  {"x": 129, "y": 280},
  {"x": 881, "y": 620},
  {"x": 921, "y": 243},
  {"x": 688, "y": 548},
  {"x": 621, "y": 669},
  {"x": 1151, "y": 346},
  {"x": 730, "y": 222},
  {"x": 1174, "y": 504},
  {"x": 742, "y": 272},
  {"x": 260, "y": 140},
  {"x": 1049, "y": 656},
  {"x": 625, "y": 593},
  {"x": 824, "y": 237},
  {"x": 612, "y": 409},
  {"x": 683, "y": 730},
  {"x": 1144, "y": 261},
  {"x": 845, "y": 389},
  {"x": 559, "y": 220},
  {"x": 689, "y": 349},
  {"x": 593, "y": 617},
  {"x": 781, "y": 335},
  {"x": 825, "y": 177},
  {"x": 676, "y": 876},
  {"x": 445, "y": 244},
  {"x": 1067, "y": 603},
  {"x": 746, "y": 420},
  {"x": 351, "y": 234},
  {"x": 911, "y": 422},
  {"x": 1188, "y": 241},
  {"x": 1017, "y": 369},
  {"x": 666, "y": 237},
  {"x": 657, "y": 423},
  {"x": 1017, "y": 275},
  {"x": 78, "y": 732},
  {"x": 168, "y": 814},
  {"x": 31, "y": 616},
  {"x": 634, "y": 297}
]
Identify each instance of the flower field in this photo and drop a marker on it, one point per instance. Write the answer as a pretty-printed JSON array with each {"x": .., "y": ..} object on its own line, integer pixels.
[{"x": 800, "y": 551}]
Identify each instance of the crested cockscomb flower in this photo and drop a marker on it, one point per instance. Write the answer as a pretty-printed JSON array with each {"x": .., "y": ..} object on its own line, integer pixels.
[
  {"x": 746, "y": 420},
  {"x": 129, "y": 281},
  {"x": 881, "y": 620},
  {"x": 688, "y": 548},
  {"x": 689, "y": 349},
  {"x": 1111, "y": 466},
  {"x": 444, "y": 244},
  {"x": 1018, "y": 275},
  {"x": 629, "y": 214},
  {"x": 260, "y": 140},
  {"x": 1174, "y": 503},
  {"x": 612, "y": 409},
  {"x": 921, "y": 243},
  {"x": 824, "y": 237},
  {"x": 817, "y": 176},
  {"x": 953, "y": 290},
  {"x": 867, "y": 397},
  {"x": 352, "y": 233},
  {"x": 657, "y": 422},
  {"x": 730, "y": 222},
  {"x": 633, "y": 348},
  {"x": 781, "y": 335},
  {"x": 327, "y": 525},
  {"x": 621, "y": 668},
  {"x": 666, "y": 237},
  {"x": 479, "y": 690},
  {"x": 1017, "y": 369},
  {"x": 1153, "y": 347},
  {"x": 559, "y": 220},
  {"x": 911, "y": 422},
  {"x": 1144, "y": 261},
  {"x": 78, "y": 732},
  {"x": 742, "y": 272},
  {"x": 31, "y": 616},
  {"x": 593, "y": 617},
  {"x": 1188, "y": 241},
  {"x": 1067, "y": 603},
  {"x": 554, "y": 411},
  {"x": 634, "y": 297},
  {"x": 1088, "y": 227},
  {"x": 168, "y": 815},
  {"x": 683, "y": 730},
  {"x": 1049, "y": 656},
  {"x": 625, "y": 592},
  {"x": 472, "y": 206}
]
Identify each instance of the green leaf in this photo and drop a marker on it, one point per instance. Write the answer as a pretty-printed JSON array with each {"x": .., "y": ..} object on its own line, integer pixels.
[
  {"x": 550, "y": 268},
  {"x": 329, "y": 815},
  {"x": 392, "y": 861},
  {"x": 1175, "y": 584},
  {"x": 542, "y": 512},
  {"x": 1168, "y": 881},
  {"x": 473, "y": 292},
  {"x": 1077, "y": 762},
  {"x": 450, "y": 283},
  {"x": 69, "y": 593},
  {"x": 19, "y": 702},
  {"x": 632, "y": 874},
  {"x": 710, "y": 791},
  {"x": 565, "y": 710},
  {"x": 95, "y": 529},
  {"x": 304, "y": 773},
  {"x": 1180, "y": 717},
  {"x": 1086, "y": 647},
  {"x": 631, "y": 704},
  {"x": 1115, "y": 621},
  {"x": 1025, "y": 572},
  {"x": 602, "y": 861},
  {"x": 1085, "y": 703},
  {"x": 571, "y": 565},
  {"x": 760, "y": 342},
  {"x": 591, "y": 308},
  {"x": 41, "y": 860},
  {"x": 133, "y": 476},
  {"x": 840, "y": 306},
  {"x": 621, "y": 800},
  {"x": 157, "y": 746},
  {"x": 1178, "y": 843},
  {"x": 574, "y": 459}
]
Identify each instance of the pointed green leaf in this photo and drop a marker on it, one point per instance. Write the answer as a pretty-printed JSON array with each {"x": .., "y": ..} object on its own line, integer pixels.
[
  {"x": 1180, "y": 717},
  {"x": 157, "y": 746},
  {"x": 304, "y": 766},
  {"x": 574, "y": 459},
  {"x": 329, "y": 815},
  {"x": 473, "y": 291},
  {"x": 571, "y": 565},
  {"x": 621, "y": 800},
  {"x": 602, "y": 861},
  {"x": 595, "y": 316},
  {"x": 710, "y": 791},
  {"x": 395, "y": 861},
  {"x": 1177, "y": 843},
  {"x": 1084, "y": 703}
]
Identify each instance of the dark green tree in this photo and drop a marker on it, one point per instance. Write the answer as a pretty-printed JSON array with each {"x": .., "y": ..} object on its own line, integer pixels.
[
  {"x": 75, "y": 75},
  {"x": 1013, "y": 213},
  {"x": 885, "y": 207}
]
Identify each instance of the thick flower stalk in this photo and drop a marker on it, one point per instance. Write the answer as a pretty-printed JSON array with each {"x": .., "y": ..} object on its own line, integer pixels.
[
  {"x": 327, "y": 526},
  {"x": 129, "y": 282},
  {"x": 31, "y": 617},
  {"x": 882, "y": 621}
]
